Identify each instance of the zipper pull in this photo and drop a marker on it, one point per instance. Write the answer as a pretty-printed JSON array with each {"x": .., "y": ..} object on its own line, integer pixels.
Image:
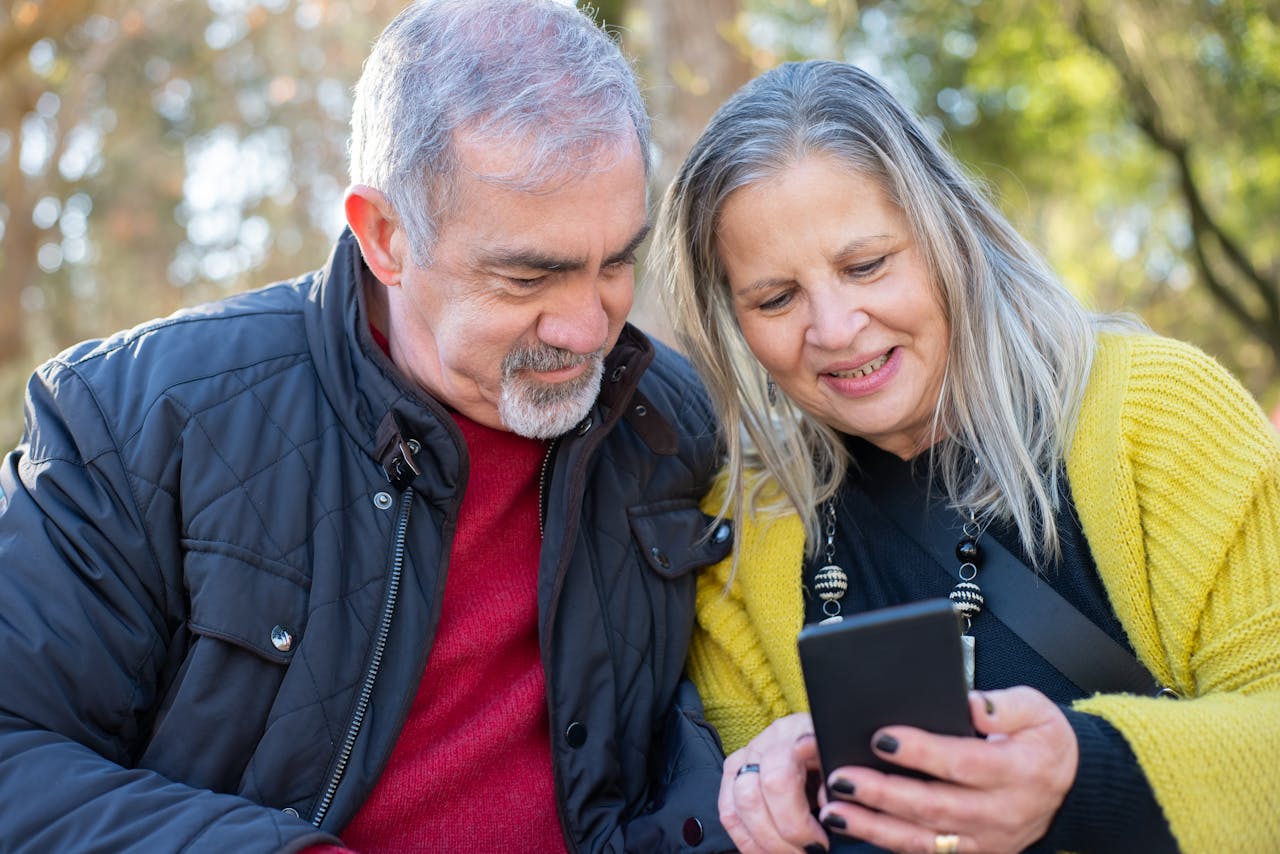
[{"x": 396, "y": 453}]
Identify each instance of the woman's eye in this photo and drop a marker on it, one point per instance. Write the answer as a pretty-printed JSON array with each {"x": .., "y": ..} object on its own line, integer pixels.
[
  {"x": 861, "y": 271},
  {"x": 775, "y": 303}
]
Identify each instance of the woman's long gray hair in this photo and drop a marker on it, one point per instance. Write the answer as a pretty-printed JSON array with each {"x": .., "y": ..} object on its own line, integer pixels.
[{"x": 1020, "y": 347}]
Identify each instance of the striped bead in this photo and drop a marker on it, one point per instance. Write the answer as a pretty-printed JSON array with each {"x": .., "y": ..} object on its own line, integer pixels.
[
  {"x": 831, "y": 583},
  {"x": 967, "y": 599}
]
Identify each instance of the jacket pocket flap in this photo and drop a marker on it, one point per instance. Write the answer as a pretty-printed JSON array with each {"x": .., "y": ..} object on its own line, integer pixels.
[
  {"x": 675, "y": 537},
  {"x": 245, "y": 600}
]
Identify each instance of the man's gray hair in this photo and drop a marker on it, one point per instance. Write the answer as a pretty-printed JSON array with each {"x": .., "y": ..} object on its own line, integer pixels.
[{"x": 538, "y": 75}]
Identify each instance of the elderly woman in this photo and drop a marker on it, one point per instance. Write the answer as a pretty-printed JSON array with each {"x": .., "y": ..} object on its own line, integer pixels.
[{"x": 869, "y": 325}]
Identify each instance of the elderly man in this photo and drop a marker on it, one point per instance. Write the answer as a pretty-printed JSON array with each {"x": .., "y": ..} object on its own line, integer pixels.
[{"x": 398, "y": 555}]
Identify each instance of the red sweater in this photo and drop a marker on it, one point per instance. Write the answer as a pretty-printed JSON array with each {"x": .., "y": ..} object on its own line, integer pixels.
[{"x": 472, "y": 768}]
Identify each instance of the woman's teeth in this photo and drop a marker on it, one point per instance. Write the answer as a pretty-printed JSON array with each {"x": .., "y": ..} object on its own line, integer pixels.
[{"x": 869, "y": 368}]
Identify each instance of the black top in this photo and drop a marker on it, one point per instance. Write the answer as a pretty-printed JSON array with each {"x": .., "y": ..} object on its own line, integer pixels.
[{"x": 1110, "y": 807}]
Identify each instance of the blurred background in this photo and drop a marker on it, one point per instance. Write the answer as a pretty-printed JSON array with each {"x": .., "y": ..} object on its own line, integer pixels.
[{"x": 159, "y": 153}]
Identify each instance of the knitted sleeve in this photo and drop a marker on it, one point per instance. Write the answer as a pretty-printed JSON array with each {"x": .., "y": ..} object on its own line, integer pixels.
[
  {"x": 1176, "y": 474},
  {"x": 743, "y": 653},
  {"x": 729, "y": 667}
]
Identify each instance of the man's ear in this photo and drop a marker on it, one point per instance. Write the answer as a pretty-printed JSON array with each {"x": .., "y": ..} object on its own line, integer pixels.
[{"x": 374, "y": 224}]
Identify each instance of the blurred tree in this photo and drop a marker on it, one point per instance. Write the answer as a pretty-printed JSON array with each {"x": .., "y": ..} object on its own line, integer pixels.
[
  {"x": 21, "y": 106},
  {"x": 1203, "y": 86},
  {"x": 692, "y": 57},
  {"x": 154, "y": 153}
]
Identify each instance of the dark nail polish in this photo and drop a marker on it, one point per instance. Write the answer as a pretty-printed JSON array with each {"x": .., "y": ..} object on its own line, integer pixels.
[
  {"x": 814, "y": 848},
  {"x": 841, "y": 786},
  {"x": 886, "y": 744},
  {"x": 990, "y": 706},
  {"x": 835, "y": 822}
]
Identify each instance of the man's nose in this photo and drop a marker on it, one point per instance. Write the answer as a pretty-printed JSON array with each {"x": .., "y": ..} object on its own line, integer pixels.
[{"x": 576, "y": 320}]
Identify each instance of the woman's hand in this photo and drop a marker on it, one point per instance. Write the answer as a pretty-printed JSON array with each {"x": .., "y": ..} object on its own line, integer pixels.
[
  {"x": 992, "y": 795},
  {"x": 765, "y": 799}
]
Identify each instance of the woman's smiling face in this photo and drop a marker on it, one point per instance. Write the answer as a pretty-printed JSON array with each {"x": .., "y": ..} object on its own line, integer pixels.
[{"x": 835, "y": 300}]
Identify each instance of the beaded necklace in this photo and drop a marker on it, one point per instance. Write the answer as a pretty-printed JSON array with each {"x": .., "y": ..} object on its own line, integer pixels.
[
  {"x": 966, "y": 596},
  {"x": 831, "y": 582}
]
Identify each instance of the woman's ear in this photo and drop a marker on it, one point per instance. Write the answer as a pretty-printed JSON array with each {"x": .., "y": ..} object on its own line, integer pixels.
[{"x": 374, "y": 224}]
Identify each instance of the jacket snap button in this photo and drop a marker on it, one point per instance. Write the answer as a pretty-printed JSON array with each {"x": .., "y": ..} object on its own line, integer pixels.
[
  {"x": 282, "y": 638},
  {"x": 722, "y": 533},
  {"x": 290, "y": 811},
  {"x": 584, "y": 426},
  {"x": 576, "y": 734},
  {"x": 660, "y": 557},
  {"x": 692, "y": 831},
  {"x": 382, "y": 501}
]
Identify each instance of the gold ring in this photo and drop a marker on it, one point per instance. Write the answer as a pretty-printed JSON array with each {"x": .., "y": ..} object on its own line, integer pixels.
[{"x": 946, "y": 843}]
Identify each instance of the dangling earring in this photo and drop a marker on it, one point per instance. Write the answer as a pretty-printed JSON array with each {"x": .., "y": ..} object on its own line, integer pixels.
[{"x": 772, "y": 389}]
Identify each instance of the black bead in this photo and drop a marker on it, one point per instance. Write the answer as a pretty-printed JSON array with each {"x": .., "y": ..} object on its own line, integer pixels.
[{"x": 967, "y": 550}]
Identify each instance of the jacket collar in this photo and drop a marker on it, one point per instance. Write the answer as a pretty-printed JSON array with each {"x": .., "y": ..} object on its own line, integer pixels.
[{"x": 366, "y": 389}]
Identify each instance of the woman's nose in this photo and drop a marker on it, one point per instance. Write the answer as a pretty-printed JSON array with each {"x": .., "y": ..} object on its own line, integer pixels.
[{"x": 836, "y": 318}]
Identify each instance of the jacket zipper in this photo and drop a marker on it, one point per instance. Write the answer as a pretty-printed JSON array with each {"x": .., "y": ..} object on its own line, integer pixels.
[
  {"x": 566, "y": 556},
  {"x": 380, "y": 643},
  {"x": 543, "y": 486}
]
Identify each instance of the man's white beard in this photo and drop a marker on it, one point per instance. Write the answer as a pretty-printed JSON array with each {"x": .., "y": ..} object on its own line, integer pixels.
[{"x": 541, "y": 410}]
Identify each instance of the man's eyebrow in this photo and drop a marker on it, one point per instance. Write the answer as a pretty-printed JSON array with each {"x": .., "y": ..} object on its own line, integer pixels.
[
  {"x": 629, "y": 250},
  {"x": 531, "y": 259}
]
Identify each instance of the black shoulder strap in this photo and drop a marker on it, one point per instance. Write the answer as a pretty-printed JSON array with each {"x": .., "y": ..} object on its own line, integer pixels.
[{"x": 1023, "y": 601}]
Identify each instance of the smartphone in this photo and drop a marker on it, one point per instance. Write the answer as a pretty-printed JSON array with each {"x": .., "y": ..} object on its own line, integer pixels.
[{"x": 898, "y": 665}]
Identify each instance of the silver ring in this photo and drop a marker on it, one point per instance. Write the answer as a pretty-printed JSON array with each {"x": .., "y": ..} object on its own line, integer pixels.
[
  {"x": 749, "y": 768},
  {"x": 946, "y": 843}
]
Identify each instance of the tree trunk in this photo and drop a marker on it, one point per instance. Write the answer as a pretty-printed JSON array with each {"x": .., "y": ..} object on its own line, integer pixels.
[{"x": 693, "y": 61}]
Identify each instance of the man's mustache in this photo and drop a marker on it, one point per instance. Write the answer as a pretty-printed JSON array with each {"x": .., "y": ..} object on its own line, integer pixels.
[{"x": 543, "y": 359}]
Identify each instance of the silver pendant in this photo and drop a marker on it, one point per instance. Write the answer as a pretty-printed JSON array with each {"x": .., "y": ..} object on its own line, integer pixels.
[{"x": 966, "y": 644}]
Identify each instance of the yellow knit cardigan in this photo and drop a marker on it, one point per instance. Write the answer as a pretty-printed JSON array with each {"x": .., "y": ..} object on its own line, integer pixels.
[{"x": 1175, "y": 473}]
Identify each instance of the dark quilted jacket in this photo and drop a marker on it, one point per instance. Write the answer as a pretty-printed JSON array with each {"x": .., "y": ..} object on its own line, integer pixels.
[{"x": 220, "y": 577}]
